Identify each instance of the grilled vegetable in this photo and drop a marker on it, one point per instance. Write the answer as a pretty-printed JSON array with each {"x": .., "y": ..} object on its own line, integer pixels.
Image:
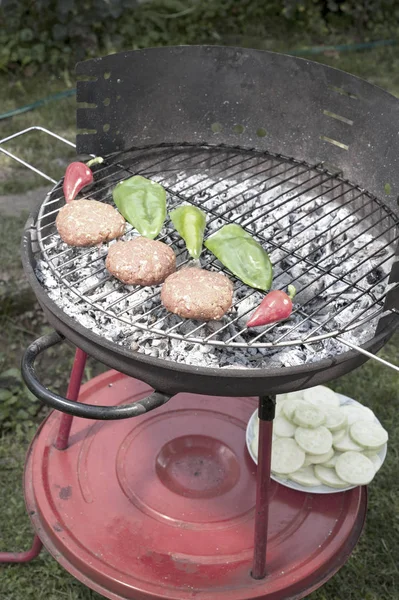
[
  {"x": 276, "y": 306},
  {"x": 190, "y": 224},
  {"x": 77, "y": 176},
  {"x": 143, "y": 204},
  {"x": 242, "y": 255}
]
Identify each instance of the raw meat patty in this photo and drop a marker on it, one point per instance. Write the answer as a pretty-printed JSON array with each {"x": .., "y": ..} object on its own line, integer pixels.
[
  {"x": 88, "y": 222},
  {"x": 197, "y": 294},
  {"x": 141, "y": 261}
]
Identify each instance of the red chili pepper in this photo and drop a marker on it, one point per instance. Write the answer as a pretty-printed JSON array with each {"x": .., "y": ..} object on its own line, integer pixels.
[
  {"x": 275, "y": 306},
  {"x": 77, "y": 176}
]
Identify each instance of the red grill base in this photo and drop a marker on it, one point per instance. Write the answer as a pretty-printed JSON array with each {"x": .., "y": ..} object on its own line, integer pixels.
[{"x": 162, "y": 506}]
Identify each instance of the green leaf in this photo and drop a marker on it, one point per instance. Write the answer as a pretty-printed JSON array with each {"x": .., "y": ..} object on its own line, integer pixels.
[
  {"x": 11, "y": 374},
  {"x": 190, "y": 223},
  {"x": 12, "y": 400},
  {"x": 242, "y": 255},
  {"x": 142, "y": 203},
  {"x": 5, "y": 395}
]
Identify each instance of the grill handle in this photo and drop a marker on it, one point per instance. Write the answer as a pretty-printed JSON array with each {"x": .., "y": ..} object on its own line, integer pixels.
[{"x": 78, "y": 409}]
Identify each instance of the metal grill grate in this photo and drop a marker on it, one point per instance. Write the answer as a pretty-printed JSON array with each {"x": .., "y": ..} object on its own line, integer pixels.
[{"x": 317, "y": 227}]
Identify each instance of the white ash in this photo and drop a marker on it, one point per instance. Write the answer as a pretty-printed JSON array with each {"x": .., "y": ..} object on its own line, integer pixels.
[{"x": 331, "y": 284}]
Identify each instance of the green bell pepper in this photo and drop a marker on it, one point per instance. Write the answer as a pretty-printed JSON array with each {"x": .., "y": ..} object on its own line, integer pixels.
[
  {"x": 142, "y": 203},
  {"x": 190, "y": 223},
  {"x": 242, "y": 255}
]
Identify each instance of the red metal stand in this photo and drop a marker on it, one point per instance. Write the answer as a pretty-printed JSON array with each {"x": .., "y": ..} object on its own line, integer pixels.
[
  {"x": 266, "y": 412},
  {"x": 61, "y": 443},
  {"x": 79, "y": 363},
  {"x": 167, "y": 503},
  {"x": 23, "y": 557}
]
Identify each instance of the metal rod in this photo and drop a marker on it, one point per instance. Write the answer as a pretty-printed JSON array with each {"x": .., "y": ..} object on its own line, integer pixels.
[
  {"x": 79, "y": 363},
  {"x": 27, "y": 165},
  {"x": 368, "y": 354},
  {"x": 266, "y": 412},
  {"x": 37, "y": 128},
  {"x": 23, "y": 557}
]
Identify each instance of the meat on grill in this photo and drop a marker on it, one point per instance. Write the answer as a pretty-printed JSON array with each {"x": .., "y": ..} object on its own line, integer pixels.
[
  {"x": 88, "y": 222},
  {"x": 141, "y": 261},
  {"x": 194, "y": 293}
]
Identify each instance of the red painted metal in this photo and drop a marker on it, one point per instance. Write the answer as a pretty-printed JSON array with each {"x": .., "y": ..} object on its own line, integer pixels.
[
  {"x": 263, "y": 490},
  {"x": 78, "y": 367},
  {"x": 23, "y": 557},
  {"x": 163, "y": 505}
]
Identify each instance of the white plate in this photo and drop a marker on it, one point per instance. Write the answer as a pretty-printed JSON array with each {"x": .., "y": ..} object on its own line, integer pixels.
[{"x": 320, "y": 489}]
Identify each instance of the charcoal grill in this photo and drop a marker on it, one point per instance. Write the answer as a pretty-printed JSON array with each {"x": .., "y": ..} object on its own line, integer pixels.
[{"x": 305, "y": 158}]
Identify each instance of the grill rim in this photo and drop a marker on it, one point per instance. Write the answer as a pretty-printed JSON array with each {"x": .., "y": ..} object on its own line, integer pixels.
[{"x": 163, "y": 374}]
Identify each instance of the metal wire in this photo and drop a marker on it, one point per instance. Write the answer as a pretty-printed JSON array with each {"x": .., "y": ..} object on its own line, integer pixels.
[{"x": 258, "y": 191}]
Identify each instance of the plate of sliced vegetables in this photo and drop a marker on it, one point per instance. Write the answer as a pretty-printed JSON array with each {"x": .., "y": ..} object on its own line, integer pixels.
[{"x": 323, "y": 442}]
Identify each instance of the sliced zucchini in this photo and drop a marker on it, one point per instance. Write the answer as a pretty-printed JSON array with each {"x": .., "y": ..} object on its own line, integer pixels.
[
  {"x": 330, "y": 464},
  {"x": 357, "y": 413},
  {"x": 308, "y": 416},
  {"x": 281, "y": 398},
  {"x": 355, "y": 468},
  {"x": 279, "y": 407},
  {"x": 370, "y": 453},
  {"x": 305, "y": 477},
  {"x": 339, "y": 435},
  {"x": 335, "y": 418},
  {"x": 314, "y": 441},
  {"x": 321, "y": 396},
  {"x": 287, "y": 456},
  {"x": 283, "y": 428},
  {"x": 346, "y": 444},
  {"x": 329, "y": 477},
  {"x": 294, "y": 395},
  {"x": 316, "y": 459},
  {"x": 377, "y": 462},
  {"x": 290, "y": 407},
  {"x": 368, "y": 435}
]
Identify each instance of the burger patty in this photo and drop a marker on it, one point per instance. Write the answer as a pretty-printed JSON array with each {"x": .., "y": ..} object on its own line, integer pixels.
[
  {"x": 194, "y": 293},
  {"x": 88, "y": 222},
  {"x": 141, "y": 261}
]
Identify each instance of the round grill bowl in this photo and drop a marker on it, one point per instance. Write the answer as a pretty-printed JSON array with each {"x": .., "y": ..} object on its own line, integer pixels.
[
  {"x": 163, "y": 506},
  {"x": 244, "y": 100}
]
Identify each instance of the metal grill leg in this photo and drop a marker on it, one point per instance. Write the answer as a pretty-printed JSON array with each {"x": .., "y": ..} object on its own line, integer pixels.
[
  {"x": 266, "y": 413},
  {"x": 23, "y": 557},
  {"x": 79, "y": 363}
]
